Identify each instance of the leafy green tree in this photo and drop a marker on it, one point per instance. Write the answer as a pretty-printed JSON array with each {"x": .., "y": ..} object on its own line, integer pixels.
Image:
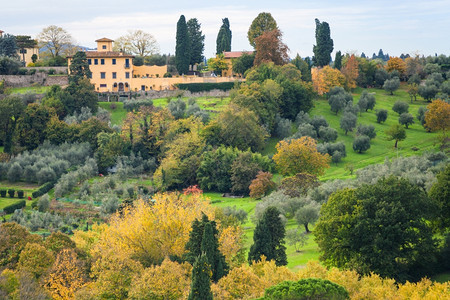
[
  {"x": 296, "y": 237},
  {"x": 223, "y": 42},
  {"x": 406, "y": 119},
  {"x": 396, "y": 132},
  {"x": 307, "y": 214},
  {"x": 324, "y": 44},
  {"x": 32, "y": 125},
  {"x": 303, "y": 66},
  {"x": 11, "y": 108},
  {"x": 338, "y": 60},
  {"x": 243, "y": 63},
  {"x": 380, "y": 228},
  {"x": 428, "y": 92},
  {"x": 328, "y": 134},
  {"x": 9, "y": 66},
  {"x": 8, "y": 46},
  {"x": 400, "y": 107},
  {"x": 243, "y": 171},
  {"x": 391, "y": 85},
  {"x": 197, "y": 41},
  {"x": 264, "y": 22},
  {"x": 79, "y": 68},
  {"x": 201, "y": 280},
  {"x": 368, "y": 130},
  {"x": 78, "y": 95},
  {"x": 440, "y": 193},
  {"x": 361, "y": 143},
  {"x": 381, "y": 115},
  {"x": 183, "y": 47},
  {"x": 306, "y": 289},
  {"x": 268, "y": 238},
  {"x": 348, "y": 122}
]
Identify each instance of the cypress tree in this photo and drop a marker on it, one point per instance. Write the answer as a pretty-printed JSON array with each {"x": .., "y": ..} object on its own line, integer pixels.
[
  {"x": 79, "y": 68},
  {"x": 182, "y": 50},
  {"x": 338, "y": 60},
  {"x": 324, "y": 44},
  {"x": 201, "y": 280},
  {"x": 268, "y": 238},
  {"x": 223, "y": 42},
  {"x": 203, "y": 239},
  {"x": 197, "y": 41}
]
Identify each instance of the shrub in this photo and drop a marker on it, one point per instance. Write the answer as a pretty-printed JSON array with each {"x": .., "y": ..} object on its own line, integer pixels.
[
  {"x": 381, "y": 115},
  {"x": 43, "y": 203},
  {"x": 3, "y": 193},
  {"x": 11, "y": 193},
  {"x": 51, "y": 72},
  {"x": 45, "y": 188},
  {"x": 283, "y": 128},
  {"x": 12, "y": 208},
  {"x": 204, "y": 87},
  {"x": 20, "y": 194}
]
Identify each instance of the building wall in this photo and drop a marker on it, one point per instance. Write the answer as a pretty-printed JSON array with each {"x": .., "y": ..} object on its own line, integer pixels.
[
  {"x": 149, "y": 71},
  {"x": 103, "y": 73},
  {"x": 28, "y": 53}
]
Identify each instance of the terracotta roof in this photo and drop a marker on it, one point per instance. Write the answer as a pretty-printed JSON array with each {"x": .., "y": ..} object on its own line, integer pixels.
[
  {"x": 235, "y": 54},
  {"x": 104, "y": 40}
]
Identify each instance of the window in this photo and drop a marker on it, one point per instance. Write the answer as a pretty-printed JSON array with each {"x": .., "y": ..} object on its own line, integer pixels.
[
  {"x": 103, "y": 85},
  {"x": 104, "y": 47},
  {"x": 102, "y": 75},
  {"x": 23, "y": 51},
  {"x": 127, "y": 74},
  {"x": 114, "y": 75},
  {"x": 96, "y": 61},
  {"x": 89, "y": 61},
  {"x": 113, "y": 61},
  {"x": 143, "y": 87},
  {"x": 102, "y": 61}
]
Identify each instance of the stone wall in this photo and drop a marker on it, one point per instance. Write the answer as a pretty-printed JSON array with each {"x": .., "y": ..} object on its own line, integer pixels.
[
  {"x": 58, "y": 70},
  {"x": 39, "y": 78}
]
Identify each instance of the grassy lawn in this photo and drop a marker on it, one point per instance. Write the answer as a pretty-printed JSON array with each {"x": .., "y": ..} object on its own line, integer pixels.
[
  {"x": 118, "y": 114},
  {"x": 26, "y": 187},
  {"x": 296, "y": 260},
  {"x": 30, "y": 89}
]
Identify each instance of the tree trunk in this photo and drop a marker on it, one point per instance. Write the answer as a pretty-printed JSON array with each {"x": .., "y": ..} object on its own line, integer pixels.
[
  {"x": 306, "y": 227},
  {"x": 396, "y": 141}
]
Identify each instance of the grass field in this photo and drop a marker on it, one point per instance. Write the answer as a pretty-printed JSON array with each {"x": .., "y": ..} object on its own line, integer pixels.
[
  {"x": 118, "y": 114},
  {"x": 27, "y": 188},
  {"x": 30, "y": 89}
]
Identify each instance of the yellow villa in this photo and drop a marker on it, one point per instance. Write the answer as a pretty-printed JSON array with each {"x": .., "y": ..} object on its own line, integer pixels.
[
  {"x": 113, "y": 71},
  {"x": 229, "y": 56},
  {"x": 26, "y": 54}
]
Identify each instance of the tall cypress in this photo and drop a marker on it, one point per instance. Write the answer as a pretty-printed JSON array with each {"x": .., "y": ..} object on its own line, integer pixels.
[
  {"x": 268, "y": 238},
  {"x": 201, "y": 280},
  {"x": 203, "y": 239},
  {"x": 223, "y": 42},
  {"x": 79, "y": 68},
  {"x": 324, "y": 44},
  {"x": 197, "y": 41},
  {"x": 338, "y": 60},
  {"x": 182, "y": 50}
]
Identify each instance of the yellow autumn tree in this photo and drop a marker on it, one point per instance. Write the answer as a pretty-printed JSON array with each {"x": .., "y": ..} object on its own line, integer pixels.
[
  {"x": 350, "y": 71},
  {"x": 300, "y": 156},
  {"x": 35, "y": 259},
  {"x": 148, "y": 232},
  {"x": 438, "y": 116},
  {"x": 66, "y": 276},
  {"x": 326, "y": 78},
  {"x": 170, "y": 280},
  {"x": 396, "y": 63}
]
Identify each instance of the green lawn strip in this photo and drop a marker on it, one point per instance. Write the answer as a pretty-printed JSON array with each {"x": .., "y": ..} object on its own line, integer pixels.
[
  {"x": 296, "y": 260},
  {"x": 118, "y": 114},
  {"x": 30, "y": 89}
]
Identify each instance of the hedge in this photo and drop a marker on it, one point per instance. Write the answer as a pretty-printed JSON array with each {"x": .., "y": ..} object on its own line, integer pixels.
[
  {"x": 204, "y": 87},
  {"x": 11, "y": 193},
  {"x": 20, "y": 194},
  {"x": 11, "y": 208},
  {"x": 3, "y": 193},
  {"x": 45, "y": 188}
]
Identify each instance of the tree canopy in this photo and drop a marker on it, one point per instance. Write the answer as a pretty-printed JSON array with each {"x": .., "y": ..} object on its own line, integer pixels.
[
  {"x": 183, "y": 47},
  {"x": 55, "y": 39},
  {"x": 324, "y": 44},
  {"x": 197, "y": 41},
  {"x": 223, "y": 41},
  {"x": 264, "y": 22}
]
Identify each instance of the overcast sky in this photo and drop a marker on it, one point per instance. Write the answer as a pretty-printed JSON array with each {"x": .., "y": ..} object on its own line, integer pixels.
[{"x": 397, "y": 27}]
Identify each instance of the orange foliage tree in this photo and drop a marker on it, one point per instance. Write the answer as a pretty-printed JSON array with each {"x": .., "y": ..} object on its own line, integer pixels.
[
  {"x": 270, "y": 48},
  {"x": 326, "y": 78},
  {"x": 261, "y": 185},
  {"x": 350, "y": 71},
  {"x": 396, "y": 63},
  {"x": 438, "y": 116},
  {"x": 300, "y": 156}
]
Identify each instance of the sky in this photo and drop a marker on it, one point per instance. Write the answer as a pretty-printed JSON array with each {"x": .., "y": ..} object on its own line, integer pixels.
[{"x": 413, "y": 27}]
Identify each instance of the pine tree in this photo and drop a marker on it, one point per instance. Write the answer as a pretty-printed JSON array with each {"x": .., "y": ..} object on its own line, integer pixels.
[
  {"x": 223, "y": 42},
  {"x": 182, "y": 50},
  {"x": 268, "y": 238},
  {"x": 203, "y": 239},
  {"x": 324, "y": 44},
  {"x": 201, "y": 280},
  {"x": 197, "y": 41},
  {"x": 338, "y": 60}
]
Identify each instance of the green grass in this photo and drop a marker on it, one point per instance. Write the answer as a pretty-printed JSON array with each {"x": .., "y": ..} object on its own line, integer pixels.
[
  {"x": 296, "y": 260},
  {"x": 26, "y": 187},
  {"x": 1, "y": 149},
  {"x": 118, "y": 114},
  {"x": 30, "y": 89},
  {"x": 443, "y": 277},
  {"x": 416, "y": 136}
]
